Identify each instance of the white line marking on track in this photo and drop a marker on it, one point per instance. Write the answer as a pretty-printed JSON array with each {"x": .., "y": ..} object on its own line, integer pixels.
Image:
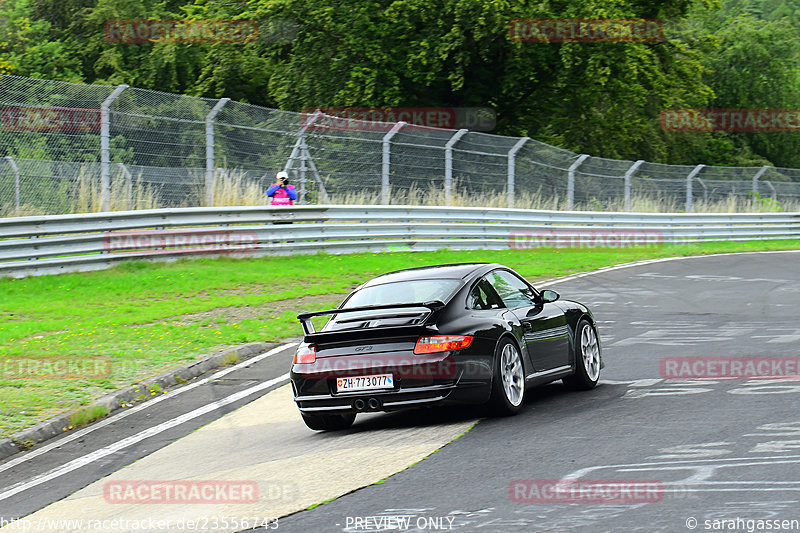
[
  {"x": 138, "y": 437},
  {"x": 554, "y": 281},
  {"x": 110, "y": 420}
]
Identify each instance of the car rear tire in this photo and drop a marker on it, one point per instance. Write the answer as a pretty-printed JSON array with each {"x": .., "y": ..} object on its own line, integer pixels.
[
  {"x": 587, "y": 358},
  {"x": 508, "y": 381},
  {"x": 329, "y": 422}
]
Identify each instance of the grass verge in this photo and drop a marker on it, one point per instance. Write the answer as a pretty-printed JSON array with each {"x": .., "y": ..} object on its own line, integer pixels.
[{"x": 144, "y": 318}]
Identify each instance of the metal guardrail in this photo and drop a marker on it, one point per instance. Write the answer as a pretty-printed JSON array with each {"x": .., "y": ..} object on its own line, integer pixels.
[{"x": 68, "y": 243}]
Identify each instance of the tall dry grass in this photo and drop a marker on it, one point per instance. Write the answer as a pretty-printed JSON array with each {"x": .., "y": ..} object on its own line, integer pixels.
[
  {"x": 124, "y": 195},
  {"x": 535, "y": 200},
  {"x": 25, "y": 210},
  {"x": 232, "y": 188}
]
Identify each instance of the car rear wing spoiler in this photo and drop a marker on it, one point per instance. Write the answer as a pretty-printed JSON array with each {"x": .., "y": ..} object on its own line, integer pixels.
[{"x": 308, "y": 326}]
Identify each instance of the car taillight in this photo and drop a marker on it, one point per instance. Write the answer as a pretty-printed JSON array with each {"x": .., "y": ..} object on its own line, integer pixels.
[
  {"x": 441, "y": 343},
  {"x": 305, "y": 355}
]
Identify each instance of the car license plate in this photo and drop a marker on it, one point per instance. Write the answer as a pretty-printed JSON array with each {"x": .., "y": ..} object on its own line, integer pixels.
[{"x": 379, "y": 381}]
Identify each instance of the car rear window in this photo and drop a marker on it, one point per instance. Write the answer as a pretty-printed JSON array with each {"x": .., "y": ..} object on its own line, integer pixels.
[{"x": 404, "y": 292}]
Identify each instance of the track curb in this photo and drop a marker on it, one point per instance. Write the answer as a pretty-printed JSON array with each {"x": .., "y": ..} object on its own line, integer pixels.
[{"x": 114, "y": 401}]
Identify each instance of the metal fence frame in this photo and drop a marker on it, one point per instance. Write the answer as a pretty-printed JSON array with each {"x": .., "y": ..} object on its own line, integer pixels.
[
  {"x": 156, "y": 131},
  {"x": 68, "y": 243}
]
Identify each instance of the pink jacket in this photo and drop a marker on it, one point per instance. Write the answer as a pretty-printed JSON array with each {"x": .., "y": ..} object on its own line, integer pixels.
[{"x": 282, "y": 195}]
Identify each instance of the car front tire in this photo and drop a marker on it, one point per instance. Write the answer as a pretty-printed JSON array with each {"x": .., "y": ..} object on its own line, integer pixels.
[{"x": 587, "y": 358}]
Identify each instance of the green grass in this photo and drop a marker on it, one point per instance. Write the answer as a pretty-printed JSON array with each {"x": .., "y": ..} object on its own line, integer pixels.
[
  {"x": 86, "y": 415},
  {"x": 315, "y": 505},
  {"x": 149, "y": 317}
]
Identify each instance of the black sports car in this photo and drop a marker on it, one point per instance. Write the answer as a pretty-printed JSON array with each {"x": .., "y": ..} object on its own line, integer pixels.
[{"x": 463, "y": 333}]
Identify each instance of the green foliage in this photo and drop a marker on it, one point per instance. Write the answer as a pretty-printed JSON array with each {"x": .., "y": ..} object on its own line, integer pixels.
[
  {"x": 597, "y": 98},
  {"x": 765, "y": 205},
  {"x": 87, "y": 415}
]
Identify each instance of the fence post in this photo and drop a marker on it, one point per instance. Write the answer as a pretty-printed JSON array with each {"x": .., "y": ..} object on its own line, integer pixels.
[
  {"x": 323, "y": 194},
  {"x": 15, "y": 170},
  {"x": 298, "y": 145},
  {"x": 105, "y": 147},
  {"x": 300, "y": 149},
  {"x": 128, "y": 183},
  {"x": 304, "y": 156},
  {"x": 695, "y": 171},
  {"x": 448, "y": 166},
  {"x": 210, "y": 164},
  {"x": 571, "y": 180},
  {"x": 628, "y": 174},
  {"x": 774, "y": 194},
  {"x": 512, "y": 169},
  {"x": 705, "y": 189},
  {"x": 385, "y": 165},
  {"x": 757, "y": 177}
]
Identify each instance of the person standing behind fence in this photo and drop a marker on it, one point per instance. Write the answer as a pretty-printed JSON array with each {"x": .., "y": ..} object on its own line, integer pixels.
[{"x": 281, "y": 192}]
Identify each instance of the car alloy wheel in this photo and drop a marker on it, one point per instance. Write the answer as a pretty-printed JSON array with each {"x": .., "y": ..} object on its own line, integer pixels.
[
  {"x": 512, "y": 375},
  {"x": 590, "y": 352}
]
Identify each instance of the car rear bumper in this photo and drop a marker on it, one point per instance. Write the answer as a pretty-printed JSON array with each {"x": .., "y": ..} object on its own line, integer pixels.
[
  {"x": 420, "y": 380},
  {"x": 376, "y": 400}
]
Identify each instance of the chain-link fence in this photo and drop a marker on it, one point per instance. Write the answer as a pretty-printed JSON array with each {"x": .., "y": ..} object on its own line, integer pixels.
[{"x": 68, "y": 148}]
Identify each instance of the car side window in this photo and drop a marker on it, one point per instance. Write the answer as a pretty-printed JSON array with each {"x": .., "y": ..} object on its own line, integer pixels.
[
  {"x": 483, "y": 296},
  {"x": 513, "y": 291}
]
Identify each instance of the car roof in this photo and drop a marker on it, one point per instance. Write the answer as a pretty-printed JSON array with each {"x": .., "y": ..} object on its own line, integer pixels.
[{"x": 450, "y": 271}]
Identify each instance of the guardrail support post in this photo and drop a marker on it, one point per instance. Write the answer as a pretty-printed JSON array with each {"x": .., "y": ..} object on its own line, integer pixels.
[
  {"x": 210, "y": 164},
  {"x": 628, "y": 174},
  {"x": 512, "y": 169},
  {"x": 757, "y": 177},
  {"x": 571, "y": 180},
  {"x": 448, "y": 166},
  {"x": 105, "y": 147},
  {"x": 695, "y": 171},
  {"x": 15, "y": 170},
  {"x": 386, "y": 162}
]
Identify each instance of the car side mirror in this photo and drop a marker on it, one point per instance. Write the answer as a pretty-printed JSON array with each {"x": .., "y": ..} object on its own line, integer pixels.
[{"x": 548, "y": 296}]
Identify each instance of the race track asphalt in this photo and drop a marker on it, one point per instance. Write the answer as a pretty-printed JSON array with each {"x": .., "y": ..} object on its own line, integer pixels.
[{"x": 683, "y": 454}]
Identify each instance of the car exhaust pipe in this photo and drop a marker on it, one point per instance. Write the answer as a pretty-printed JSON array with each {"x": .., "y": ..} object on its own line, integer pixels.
[
  {"x": 359, "y": 405},
  {"x": 373, "y": 403}
]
